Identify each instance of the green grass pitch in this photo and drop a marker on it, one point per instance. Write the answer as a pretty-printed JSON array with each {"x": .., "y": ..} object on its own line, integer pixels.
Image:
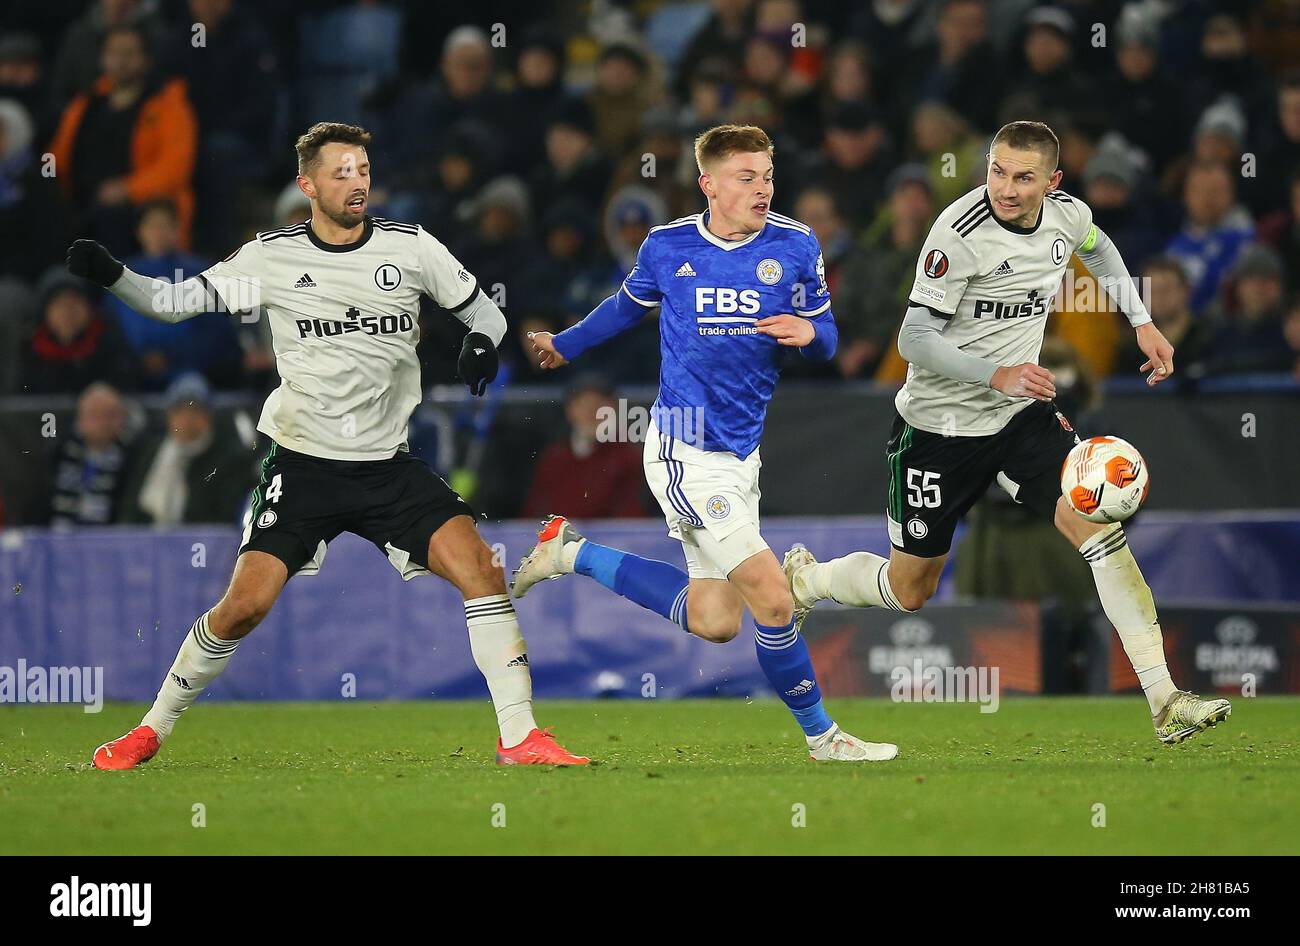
[{"x": 717, "y": 776}]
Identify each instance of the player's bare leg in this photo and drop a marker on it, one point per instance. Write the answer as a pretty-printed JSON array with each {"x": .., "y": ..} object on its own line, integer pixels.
[
  {"x": 203, "y": 655},
  {"x": 902, "y": 582},
  {"x": 715, "y": 609},
  {"x": 1127, "y": 601},
  {"x": 458, "y": 553}
]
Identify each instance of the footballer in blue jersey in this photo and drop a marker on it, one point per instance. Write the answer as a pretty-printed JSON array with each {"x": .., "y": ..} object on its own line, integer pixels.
[{"x": 736, "y": 285}]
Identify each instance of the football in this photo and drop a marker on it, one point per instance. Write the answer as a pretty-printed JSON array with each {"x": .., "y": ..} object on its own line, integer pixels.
[{"x": 1105, "y": 479}]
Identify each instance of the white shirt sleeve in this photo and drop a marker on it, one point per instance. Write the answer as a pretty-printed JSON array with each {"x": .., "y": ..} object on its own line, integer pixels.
[
  {"x": 442, "y": 276},
  {"x": 237, "y": 280},
  {"x": 946, "y": 264}
]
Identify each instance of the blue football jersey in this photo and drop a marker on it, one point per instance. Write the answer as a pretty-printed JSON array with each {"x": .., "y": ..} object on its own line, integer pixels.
[{"x": 712, "y": 291}]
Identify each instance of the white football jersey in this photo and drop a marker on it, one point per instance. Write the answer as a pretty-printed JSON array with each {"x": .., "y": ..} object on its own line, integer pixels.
[
  {"x": 344, "y": 325},
  {"x": 995, "y": 284}
]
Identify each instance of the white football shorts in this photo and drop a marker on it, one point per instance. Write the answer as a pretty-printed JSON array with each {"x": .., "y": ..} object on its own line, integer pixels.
[{"x": 709, "y": 500}]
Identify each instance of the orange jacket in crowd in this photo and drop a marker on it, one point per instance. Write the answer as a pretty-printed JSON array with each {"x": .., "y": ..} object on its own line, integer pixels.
[{"x": 163, "y": 146}]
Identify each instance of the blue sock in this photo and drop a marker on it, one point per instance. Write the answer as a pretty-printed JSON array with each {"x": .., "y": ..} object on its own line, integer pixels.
[
  {"x": 783, "y": 655},
  {"x": 657, "y": 586}
]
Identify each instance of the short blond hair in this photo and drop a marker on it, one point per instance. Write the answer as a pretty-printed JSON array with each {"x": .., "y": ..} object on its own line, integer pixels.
[{"x": 722, "y": 141}]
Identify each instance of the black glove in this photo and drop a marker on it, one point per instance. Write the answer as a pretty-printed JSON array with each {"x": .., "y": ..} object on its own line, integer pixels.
[
  {"x": 90, "y": 260},
  {"x": 478, "y": 362}
]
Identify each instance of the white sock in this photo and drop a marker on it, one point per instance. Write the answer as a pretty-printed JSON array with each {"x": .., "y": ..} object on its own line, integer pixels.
[
  {"x": 859, "y": 579},
  {"x": 200, "y": 660},
  {"x": 502, "y": 657},
  {"x": 1128, "y": 604},
  {"x": 569, "y": 555}
]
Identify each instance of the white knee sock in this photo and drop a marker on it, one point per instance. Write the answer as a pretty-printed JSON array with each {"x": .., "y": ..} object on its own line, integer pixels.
[
  {"x": 502, "y": 657},
  {"x": 859, "y": 579},
  {"x": 1128, "y": 604},
  {"x": 200, "y": 660}
]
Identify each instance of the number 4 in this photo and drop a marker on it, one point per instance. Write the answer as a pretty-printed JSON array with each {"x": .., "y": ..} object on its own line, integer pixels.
[
  {"x": 273, "y": 490},
  {"x": 924, "y": 494}
]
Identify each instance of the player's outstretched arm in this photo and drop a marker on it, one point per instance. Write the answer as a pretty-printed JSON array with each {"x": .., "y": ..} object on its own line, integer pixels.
[
  {"x": 1104, "y": 260},
  {"x": 616, "y": 314},
  {"x": 155, "y": 298}
]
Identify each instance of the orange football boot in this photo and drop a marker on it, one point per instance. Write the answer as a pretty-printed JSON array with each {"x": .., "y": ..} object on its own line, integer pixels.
[
  {"x": 126, "y": 752},
  {"x": 539, "y": 748}
]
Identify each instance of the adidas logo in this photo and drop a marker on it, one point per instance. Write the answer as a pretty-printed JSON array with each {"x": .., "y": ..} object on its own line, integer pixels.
[
  {"x": 685, "y": 270},
  {"x": 520, "y": 661},
  {"x": 305, "y": 282},
  {"x": 805, "y": 686},
  {"x": 1005, "y": 269}
]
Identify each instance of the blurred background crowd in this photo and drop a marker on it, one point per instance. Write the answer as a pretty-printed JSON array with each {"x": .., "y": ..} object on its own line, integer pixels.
[{"x": 541, "y": 141}]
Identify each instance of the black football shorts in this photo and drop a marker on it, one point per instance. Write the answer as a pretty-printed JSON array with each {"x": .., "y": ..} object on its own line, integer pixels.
[
  {"x": 301, "y": 503},
  {"x": 934, "y": 480}
]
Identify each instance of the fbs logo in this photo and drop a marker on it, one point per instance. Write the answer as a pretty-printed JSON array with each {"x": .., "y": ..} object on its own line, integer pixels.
[{"x": 726, "y": 299}]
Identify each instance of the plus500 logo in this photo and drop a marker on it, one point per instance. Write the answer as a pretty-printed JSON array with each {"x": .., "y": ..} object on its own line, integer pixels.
[
  {"x": 366, "y": 324},
  {"x": 708, "y": 299}
]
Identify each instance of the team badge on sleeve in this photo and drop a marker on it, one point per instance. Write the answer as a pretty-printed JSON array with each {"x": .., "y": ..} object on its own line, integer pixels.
[
  {"x": 1058, "y": 251},
  {"x": 936, "y": 264},
  {"x": 769, "y": 272}
]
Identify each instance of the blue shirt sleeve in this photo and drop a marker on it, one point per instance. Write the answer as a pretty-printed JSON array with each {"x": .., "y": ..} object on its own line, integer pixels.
[
  {"x": 624, "y": 309},
  {"x": 813, "y": 302},
  {"x": 641, "y": 284}
]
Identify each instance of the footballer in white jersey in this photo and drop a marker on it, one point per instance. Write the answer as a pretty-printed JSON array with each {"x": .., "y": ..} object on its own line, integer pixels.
[
  {"x": 978, "y": 408},
  {"x": 342, "y": 292}
]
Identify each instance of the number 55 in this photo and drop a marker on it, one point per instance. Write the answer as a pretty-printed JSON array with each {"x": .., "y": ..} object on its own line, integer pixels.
[{"x": 924, "y": 494}]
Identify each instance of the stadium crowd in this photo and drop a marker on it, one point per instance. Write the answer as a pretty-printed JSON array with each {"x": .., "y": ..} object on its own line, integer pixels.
[{"x": 542, "y": 141}]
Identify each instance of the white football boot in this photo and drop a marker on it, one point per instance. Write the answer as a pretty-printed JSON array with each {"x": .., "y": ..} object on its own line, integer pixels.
[
  {"x": 1185, "y": 714},
  {"x": 552, "y": 557},
  {"x": 835, "y": 745},
  {"x": 796, "y": 559}
]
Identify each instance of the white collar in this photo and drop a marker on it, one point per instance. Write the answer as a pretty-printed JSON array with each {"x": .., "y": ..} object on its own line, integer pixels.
[{"x": 718, "y": 241}]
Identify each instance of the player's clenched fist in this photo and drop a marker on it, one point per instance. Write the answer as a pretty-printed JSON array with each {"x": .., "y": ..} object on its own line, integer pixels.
[
  {"x": 90, "y": 260},
  {"x": 787, "y": 330},
  {"x": 478, "y": 362},
  {"x": 544, "y": 349},
  {"x": 1027, "y": 380}
]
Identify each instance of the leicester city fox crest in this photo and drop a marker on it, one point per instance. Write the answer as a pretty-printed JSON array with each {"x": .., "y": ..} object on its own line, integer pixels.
[{"x": 769, "y": 272}]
